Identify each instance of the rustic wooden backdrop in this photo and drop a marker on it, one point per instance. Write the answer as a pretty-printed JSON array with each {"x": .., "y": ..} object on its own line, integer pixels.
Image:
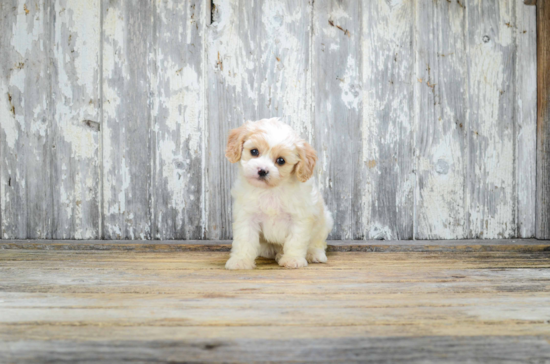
[{"x": 114, "y": 113}]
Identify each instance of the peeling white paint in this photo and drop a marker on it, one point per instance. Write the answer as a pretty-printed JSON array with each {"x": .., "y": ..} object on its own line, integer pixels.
[
  {"x": 526, "y": 116},
  {"x": 285, "y": 81},
  {"x": 8, "y": 125},
  {"x": 75, "y": 85},
  {"x": 380, "y": 232},
  {"x": 85, "y": 25},
  {"x": 492, "y": 207},
  {"x": 441, "y": 198},
  {"x": 387, "y": 118},
  {"x": 178, "y": 109},
  {"x": 228, "y": 54},
  {"x": 115, "y": 181},
  {"x": 506, "y": 19},
  {"x": 176, "y": 179},
  {"x": 25, "y": 31},
  {"x": 350, "y": 86},
  {"x": 183, "y": 103}
]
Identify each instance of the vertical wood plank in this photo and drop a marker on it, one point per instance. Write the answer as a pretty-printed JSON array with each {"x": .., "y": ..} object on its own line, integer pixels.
[
  {"x": 337, "y": 94},
  {"x": 388, "y": 119},
  {"x": 441, "y": 76},
  {"x": 26, "y": 115},
  {"x": 526, "y": 118},
  {"x": 258, "y": 67},
  {"x": 178, "y": 118},
  {"x": 5, "y": 106},
  {"x": 127, "y": 150},
  {"x": 491, "y": 189},
  {"x": 543, "y": 120},
  {"x": 76, "y": 116}
]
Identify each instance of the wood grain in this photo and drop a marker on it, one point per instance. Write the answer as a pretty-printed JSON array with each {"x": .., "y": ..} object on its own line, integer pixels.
[
  {"x": 526, "y": 119},
  {"x": 472, "y": 349},
  {"x": 27, "y": 117},
  {"x": 337, "y": 95},
  {"x": 491, "y": 185},
  {"x": 75, "y": 123},
  {"x": 388, "y": 119},
  {"x": 543, "y": 121},
  {"x": 126, "y": 136},
  {"x": 521, "y": 245},
  {"x": 440, "y": 88},
  {"x": 178, "y": 117},
  {"x": 106, "y": 306}
]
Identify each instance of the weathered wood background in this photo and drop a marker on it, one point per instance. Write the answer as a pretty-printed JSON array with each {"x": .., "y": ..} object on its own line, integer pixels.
[{"x": 114, "y": 113}]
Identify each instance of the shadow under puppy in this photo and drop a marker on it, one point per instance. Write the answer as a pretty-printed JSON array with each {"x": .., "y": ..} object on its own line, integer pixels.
[{"x": 278, "y": 213}]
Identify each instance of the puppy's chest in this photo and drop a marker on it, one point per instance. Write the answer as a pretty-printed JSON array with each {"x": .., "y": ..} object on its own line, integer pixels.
[
  {"x": 270, "y": 206},
  {"x": 274, "y": 221}
]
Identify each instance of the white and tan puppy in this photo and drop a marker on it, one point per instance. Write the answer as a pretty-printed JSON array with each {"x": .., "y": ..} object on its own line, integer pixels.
[{"x": 277, "y": 211}]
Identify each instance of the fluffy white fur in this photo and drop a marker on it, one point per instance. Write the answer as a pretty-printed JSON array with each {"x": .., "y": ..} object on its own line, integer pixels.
[{"x": 282, "y": 215}]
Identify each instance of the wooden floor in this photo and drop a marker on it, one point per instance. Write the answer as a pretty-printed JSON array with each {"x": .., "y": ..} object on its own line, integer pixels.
[{"x": 153, "y": 305}]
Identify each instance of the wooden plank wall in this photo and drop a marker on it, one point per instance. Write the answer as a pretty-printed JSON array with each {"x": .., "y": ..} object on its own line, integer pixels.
[{"x": 114, "y": 114}]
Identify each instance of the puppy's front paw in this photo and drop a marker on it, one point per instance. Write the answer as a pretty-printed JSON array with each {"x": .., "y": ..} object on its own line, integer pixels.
[
  {"x": 238, "y": 263},
  {"x": 316, "y": 256},
  {"x": 292, "y": 262}
]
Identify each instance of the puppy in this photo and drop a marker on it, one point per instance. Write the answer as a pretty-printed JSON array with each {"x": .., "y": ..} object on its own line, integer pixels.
[{"x": 277, "y": 211}]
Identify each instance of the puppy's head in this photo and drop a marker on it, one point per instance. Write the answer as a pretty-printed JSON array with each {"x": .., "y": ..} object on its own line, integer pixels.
[{"x": 270, "y": 152}]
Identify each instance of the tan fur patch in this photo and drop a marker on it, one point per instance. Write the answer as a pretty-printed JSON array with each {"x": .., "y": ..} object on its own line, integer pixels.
[
  {"x": 286, "y": 153},
  {"x": 255, "y": 140},
  {"x": 235, "y": 143},
  {"x": 308, "y": 159}
]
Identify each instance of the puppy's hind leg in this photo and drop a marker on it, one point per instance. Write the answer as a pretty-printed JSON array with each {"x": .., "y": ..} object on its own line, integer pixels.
[{"x": 318, "y": 243}]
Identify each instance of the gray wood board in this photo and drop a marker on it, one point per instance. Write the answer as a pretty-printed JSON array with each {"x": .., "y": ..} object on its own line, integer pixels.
[
  {"x": 440, "y": 92},
  {"x": 127, "y": 120},
  {"x": 27, "y": 125},
  {"x": 337, "y": 96},
  {"x": 387, "y": 124},
  {"x": 491, "y": 184},
  {"x": 427, "y": 349},
  {"x": 178, "y": 118},
  {"x": 543, "y": 121},
  {"x": 27, "y": 135},
  {"x": 526, "y": 119},
  {"x": 75, "y": 127}
]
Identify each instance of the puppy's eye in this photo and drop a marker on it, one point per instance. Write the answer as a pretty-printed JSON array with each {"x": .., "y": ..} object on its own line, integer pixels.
[
  {"x": 255, "y": 152},
  {"x": 280, "y": 161}
]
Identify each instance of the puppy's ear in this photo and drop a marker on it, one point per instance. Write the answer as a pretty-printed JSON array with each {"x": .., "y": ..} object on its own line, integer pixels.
[
  {"x": 235, "y": 143},
  {"x": 308, "y": 158}
]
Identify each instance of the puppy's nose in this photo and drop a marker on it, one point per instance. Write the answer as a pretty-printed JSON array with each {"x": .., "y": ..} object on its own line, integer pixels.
[{"x": 262, "y": 173}]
